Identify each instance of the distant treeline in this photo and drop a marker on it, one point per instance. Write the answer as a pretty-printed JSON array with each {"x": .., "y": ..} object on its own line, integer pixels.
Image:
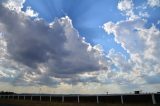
[{"x": 6, "y": 93}]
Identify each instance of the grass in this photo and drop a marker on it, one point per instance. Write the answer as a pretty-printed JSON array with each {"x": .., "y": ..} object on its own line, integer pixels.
[{"x": 38, "y": 103}]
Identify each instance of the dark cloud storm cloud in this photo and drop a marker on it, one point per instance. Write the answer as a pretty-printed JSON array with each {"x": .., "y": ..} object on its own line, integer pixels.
[{"x": 45, "y": 53}]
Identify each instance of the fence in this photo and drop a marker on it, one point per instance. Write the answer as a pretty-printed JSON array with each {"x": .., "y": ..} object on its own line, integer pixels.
[{"x": 108, "y": 98}]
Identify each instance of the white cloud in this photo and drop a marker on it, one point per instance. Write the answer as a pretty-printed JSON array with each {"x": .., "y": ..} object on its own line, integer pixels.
[
  {"x": 31, "y": 12},
  {"x": 125, "y": 5},
  {"x": 128, "y": 8},
  {"x": 143, "y": 14},
  {"x": 15, "y": 5},
  {"x": 36, "y": 53},
  {"x": 142, "y": 45},
  {"x": 126, "y": 34},
  {"x": 154, "y": 3}
]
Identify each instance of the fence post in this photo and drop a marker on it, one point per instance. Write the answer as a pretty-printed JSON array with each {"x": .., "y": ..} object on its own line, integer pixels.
[
  {"x": 78, "y": 98},
  {"x": 62, "y": 99},
  {"x": 122, "y": 99},
  {"x": 97, "y": 100},
  {"x": 50, "y": 98},
  {"x": 153, "y": 99},
  {"x": 39, "y": 97}
]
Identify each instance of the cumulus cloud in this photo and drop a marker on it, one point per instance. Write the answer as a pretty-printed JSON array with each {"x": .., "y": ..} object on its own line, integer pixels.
[
  {"x": 154, "y": 3},
  {"x": 127, "y": 6},
  {"x": 126, "y": 34},
  {"x": 34, "y": 52},
  {"x": 31, "y": 12},
  {"x": 142, "y": 45},
  {"x": 41, "y": 53},
  {"x": 15, "y": 5},
  {"x": 124, "y": 5}
]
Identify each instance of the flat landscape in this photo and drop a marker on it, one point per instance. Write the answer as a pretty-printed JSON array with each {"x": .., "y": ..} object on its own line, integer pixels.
[
  {"x": 38, "y": 103},
  {"x": 80, "y": 100}
]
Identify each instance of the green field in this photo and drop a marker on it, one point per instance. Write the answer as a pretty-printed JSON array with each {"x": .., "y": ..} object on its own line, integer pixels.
[{"x": 38, "y": 103}]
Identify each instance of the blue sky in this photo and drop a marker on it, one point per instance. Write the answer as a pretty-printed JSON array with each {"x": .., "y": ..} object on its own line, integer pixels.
[
  {"x": 47, "y": 48},
  {"x": 87, "y": 17}
]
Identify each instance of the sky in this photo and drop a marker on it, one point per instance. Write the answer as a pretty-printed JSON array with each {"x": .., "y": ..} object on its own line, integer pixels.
[{"x": 79, "y": 46}]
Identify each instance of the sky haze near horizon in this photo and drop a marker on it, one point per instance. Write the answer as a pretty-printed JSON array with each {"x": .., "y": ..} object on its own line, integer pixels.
[{"x": 79, "y": 46}]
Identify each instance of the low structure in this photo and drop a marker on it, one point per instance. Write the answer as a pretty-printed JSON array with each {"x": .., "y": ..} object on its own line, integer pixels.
[{"x": 153, "y": 98}]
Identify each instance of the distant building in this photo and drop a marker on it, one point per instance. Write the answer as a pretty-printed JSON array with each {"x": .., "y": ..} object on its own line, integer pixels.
[{"x": 137, "y": 92}]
